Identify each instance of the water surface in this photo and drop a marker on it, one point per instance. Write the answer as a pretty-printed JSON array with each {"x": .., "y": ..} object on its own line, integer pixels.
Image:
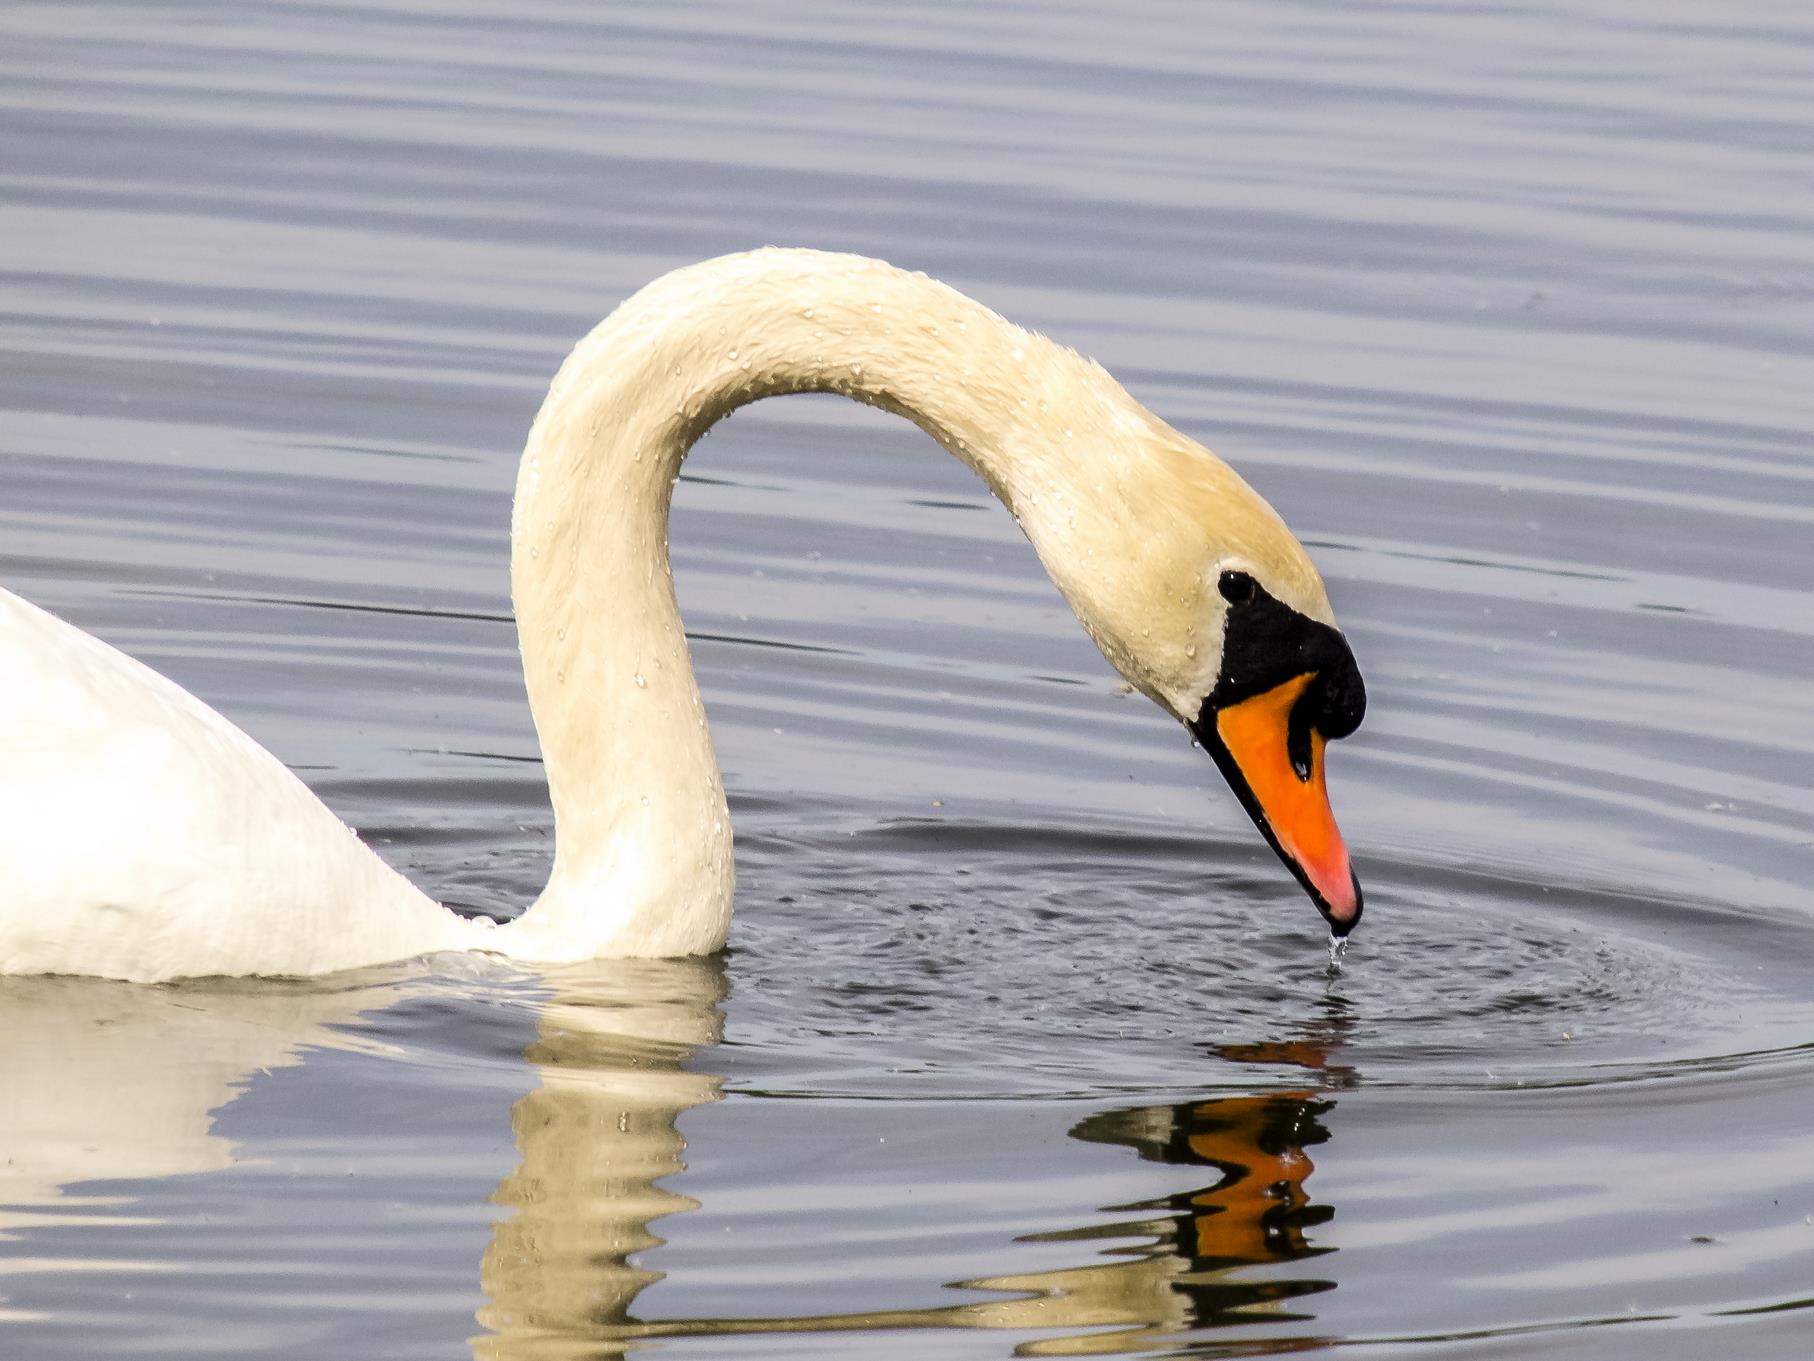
[{"x": 1024, "y": 1043}]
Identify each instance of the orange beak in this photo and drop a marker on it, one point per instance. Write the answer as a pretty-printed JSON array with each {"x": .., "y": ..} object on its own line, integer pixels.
[{"x": 1283, "y": 792}]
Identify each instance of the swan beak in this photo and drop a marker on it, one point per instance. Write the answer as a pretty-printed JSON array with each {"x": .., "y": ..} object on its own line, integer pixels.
[{"x": 1276, "y": 768}]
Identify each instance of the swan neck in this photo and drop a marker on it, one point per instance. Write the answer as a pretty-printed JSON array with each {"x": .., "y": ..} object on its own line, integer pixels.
[{"x": 643, "y": 855}]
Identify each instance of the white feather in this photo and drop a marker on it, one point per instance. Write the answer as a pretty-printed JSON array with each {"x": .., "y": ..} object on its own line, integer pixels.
[{"x": 144, "y": 836}]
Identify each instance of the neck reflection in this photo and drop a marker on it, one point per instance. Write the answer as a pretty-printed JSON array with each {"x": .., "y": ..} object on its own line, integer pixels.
[{"x": 598, "y": 1135}]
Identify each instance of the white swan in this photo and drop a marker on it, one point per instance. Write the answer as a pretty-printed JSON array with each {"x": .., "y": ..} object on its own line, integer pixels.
[{"x": 143, "y": 836}]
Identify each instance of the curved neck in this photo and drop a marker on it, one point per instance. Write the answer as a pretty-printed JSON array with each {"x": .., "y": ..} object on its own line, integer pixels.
[{"x": 642, "y": 852}]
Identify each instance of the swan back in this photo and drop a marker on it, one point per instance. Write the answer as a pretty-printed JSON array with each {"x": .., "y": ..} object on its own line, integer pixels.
[{"x": 145, "y": 837}]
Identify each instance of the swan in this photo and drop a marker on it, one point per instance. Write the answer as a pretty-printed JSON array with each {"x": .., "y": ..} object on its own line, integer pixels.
[{"x": 145, "y": 837}]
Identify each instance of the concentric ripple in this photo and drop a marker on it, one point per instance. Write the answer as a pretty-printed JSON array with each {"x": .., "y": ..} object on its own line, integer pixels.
[{"x": 1088, "y": 955}]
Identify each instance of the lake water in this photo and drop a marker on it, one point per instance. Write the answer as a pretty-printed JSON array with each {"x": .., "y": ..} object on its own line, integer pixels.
[{"x": 1024, "y": 1044}]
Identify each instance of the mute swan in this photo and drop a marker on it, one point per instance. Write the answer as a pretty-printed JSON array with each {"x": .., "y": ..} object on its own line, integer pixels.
[{"x": 143, "y": 836}]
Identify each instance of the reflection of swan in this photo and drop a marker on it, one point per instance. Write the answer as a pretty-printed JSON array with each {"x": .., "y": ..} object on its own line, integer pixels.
[
  {"x": 105, "y": 1081},
  {"x": 600, "y": 1128},
  {"x": 1187, "y": 1275},
  {"x": 595, "y": 1136},
  {"x": 122, "y": 1083},
  {"x": 148, "y": 838}
]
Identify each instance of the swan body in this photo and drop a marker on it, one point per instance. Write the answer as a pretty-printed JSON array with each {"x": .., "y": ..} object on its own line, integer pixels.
[
  {"x": 139, "y": 827},
  {"x": 143, "y": 836}
]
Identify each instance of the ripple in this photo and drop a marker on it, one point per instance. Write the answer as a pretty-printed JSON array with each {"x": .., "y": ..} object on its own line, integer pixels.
[{"x": 1091, "y": 958}]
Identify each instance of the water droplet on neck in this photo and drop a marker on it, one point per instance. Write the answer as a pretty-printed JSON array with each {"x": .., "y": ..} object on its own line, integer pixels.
[{"x": 642, "y": 681}]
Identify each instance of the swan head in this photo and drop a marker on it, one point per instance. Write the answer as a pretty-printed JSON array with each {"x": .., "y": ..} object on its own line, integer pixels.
[
  {"x": 1199, "y": 595},
  {"x": 1286, "y": 685}
]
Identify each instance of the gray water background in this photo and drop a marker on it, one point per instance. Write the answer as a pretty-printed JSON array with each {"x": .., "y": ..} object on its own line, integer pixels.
[{"x": 1023, "y": 1040}]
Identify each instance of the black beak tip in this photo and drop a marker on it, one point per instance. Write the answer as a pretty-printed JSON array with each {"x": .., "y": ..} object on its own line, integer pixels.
[{"x": 1337, "y": 927}]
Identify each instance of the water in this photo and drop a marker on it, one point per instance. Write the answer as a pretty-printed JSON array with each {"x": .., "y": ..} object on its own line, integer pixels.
[{"x": 1024, "y": 1044}]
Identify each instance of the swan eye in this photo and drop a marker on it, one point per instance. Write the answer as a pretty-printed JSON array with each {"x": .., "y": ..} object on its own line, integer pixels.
[{"x": 1237, "y": 588}]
